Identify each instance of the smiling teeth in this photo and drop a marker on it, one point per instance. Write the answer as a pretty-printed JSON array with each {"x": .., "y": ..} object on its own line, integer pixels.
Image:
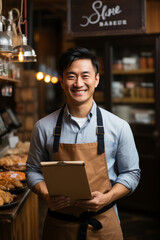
[{"x": 79, "y": 90}]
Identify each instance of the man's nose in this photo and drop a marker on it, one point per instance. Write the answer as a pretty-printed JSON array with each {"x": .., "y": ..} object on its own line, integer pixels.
[{"x": 78, "y": 82}]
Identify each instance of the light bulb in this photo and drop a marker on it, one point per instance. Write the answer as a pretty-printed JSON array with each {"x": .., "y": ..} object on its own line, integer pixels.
[
  {"x": 47, "y": 78},
  {"x": 20, "y": 56},
  {"x": 54, "y": 80},
  {"x": 39, "y": 76}
]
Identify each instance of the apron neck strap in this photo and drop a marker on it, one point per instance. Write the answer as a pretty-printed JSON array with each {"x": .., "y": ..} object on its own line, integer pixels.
[
  {"x": 57, "y": 131},
  {"x": 99, "y": 131}
]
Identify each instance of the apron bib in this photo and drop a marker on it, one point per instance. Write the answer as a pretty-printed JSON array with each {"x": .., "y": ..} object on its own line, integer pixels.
[{"x": 97, "y": 173}]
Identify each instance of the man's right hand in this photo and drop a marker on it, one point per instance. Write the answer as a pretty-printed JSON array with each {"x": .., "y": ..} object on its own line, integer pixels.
[
  {"x": 54, "y": 202},
  {"x": 57, "y": 202}
]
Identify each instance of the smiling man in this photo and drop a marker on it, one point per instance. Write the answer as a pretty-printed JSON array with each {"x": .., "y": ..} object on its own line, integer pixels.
[
  {"x": 79, "y": 81},
  {"x": 91, "y": 134}
]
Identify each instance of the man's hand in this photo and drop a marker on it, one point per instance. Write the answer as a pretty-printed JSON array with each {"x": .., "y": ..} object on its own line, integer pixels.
[
  {"x": 98, "y": 201},
  {"x": 57, "y": 202},
  {"x": 54, "y": 202}
]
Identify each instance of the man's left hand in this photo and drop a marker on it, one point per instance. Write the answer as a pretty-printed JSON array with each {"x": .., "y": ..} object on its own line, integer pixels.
[{"x": 98, "y": 201}]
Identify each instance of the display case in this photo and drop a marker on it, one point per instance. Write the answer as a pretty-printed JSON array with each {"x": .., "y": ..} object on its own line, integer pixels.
[
  {"x": 9, "y": 76},
  {"x": 130, "y": 88},
  {"x": 133, "y": 82},
  {"x": 21, "y": 220},
  {"x": 132, "y": 67}
]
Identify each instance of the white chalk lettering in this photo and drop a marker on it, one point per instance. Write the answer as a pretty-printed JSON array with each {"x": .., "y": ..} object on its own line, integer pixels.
[
  {"x": 119, "y": 22},
  {"x": 101, "y": 24},
  {"x": 124, "y": 22},
  {"x": 100, "y": 12},
  {"x": 112, "y": 23}
]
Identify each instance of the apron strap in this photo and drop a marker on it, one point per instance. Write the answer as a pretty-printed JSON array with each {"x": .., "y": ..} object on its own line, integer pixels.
[
  {"x": 85, "y": 219},
  {"x": 57, "y": 131},
  {"x": 99, "y": 131}
]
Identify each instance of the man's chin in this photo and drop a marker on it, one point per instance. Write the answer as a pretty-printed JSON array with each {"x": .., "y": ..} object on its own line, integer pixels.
[{"x": 80, "y": 100}]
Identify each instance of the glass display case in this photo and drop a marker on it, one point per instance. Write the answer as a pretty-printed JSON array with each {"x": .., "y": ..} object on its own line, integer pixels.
[
  {"x": 132, "y": 75},
  {"x": 133, "y": 83}
]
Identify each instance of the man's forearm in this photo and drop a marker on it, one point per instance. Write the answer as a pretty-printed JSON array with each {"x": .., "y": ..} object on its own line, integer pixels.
[
  {"x": 118, "y": 191},
  {"x": 41, "y": 190}
]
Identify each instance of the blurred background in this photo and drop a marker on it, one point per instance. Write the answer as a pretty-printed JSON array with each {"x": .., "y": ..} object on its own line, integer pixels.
[{"x": 129, "y": 87}]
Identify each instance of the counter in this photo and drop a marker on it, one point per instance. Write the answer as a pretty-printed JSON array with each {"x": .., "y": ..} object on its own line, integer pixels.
[{"x": 20, "y": 221}]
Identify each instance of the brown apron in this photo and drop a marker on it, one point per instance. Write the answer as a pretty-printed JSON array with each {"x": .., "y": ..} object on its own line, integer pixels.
[{"x": 97, "y": 172}]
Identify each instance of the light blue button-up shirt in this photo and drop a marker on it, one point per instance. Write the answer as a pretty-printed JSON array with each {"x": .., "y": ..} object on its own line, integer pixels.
[{"x": 120, "y": 147}]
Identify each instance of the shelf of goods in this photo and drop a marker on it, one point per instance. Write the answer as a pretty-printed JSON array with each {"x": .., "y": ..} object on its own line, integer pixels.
[
  {"x": 18, "y": 205},
  {"x": 133, "y": 100},
  {"x": 9, "y": 79},
  {"x": 136, "y": 71}
]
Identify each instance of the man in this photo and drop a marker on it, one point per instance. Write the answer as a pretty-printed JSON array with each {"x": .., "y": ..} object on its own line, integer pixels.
[{"x": 90, "y": 134}]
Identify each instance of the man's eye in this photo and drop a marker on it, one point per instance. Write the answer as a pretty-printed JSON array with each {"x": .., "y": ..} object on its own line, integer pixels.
[
  {"x": 85, "y": 76},
  {"x": 70, "y": 77}
]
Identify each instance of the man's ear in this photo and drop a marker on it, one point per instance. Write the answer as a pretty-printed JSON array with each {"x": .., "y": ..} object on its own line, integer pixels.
[{"x": 97, "y": 80}]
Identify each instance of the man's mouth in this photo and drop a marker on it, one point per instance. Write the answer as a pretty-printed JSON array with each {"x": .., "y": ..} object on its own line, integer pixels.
[{"x": 79, "y": 91}]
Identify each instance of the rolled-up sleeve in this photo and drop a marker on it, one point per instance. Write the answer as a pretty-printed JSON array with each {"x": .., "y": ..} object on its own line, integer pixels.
[
  {"x": 37, "y": 153},
  {"x": 127, "y": 159}
]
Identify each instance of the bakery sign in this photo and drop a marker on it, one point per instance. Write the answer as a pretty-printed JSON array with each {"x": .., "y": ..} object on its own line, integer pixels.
[{"x": 106, "y": 17}]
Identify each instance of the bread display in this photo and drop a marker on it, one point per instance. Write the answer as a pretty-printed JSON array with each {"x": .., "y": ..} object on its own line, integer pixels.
[
  {"x": 7, "y": 183},
  {"x": 13, "y": 165},
  {"x": 15, "y": 158},
  {"x": 21, "y": 148},
  {"x": 5, "y": 197},
  {"x": 11, "y": 160},
  {"x": 13, "y": 174}
]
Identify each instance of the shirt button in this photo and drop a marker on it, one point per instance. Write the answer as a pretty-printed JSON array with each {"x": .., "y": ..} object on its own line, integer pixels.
[{"x": 79, "y": 138}]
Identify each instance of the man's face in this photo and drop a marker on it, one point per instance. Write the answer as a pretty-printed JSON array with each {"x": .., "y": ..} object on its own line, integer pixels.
[{"x": 79, "y": 82}]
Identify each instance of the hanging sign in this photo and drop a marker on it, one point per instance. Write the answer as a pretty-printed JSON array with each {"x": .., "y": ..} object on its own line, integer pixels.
[{"x": 106, "y": 17}]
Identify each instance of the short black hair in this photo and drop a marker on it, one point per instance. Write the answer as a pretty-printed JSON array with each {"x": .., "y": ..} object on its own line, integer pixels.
[{"x": 76, "y": 53}]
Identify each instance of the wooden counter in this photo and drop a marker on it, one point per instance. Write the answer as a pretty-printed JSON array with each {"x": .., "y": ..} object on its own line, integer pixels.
[{"x": 20, "y": 222}]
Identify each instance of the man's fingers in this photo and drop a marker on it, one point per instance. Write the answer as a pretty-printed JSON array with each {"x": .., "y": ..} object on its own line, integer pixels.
[{"x": 58, "y": 202}]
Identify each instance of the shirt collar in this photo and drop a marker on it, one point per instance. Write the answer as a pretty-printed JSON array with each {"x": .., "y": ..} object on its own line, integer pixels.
[{"x": 91, "y": 113}]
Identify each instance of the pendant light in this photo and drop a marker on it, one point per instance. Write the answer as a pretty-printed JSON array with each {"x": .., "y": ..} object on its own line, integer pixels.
[
  {"x": 23, "y": 52},
  {"x": 5, "y": 40},
  {"x": 13, "y": 18}
]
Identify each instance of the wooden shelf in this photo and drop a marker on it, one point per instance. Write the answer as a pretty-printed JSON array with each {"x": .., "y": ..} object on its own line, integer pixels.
[
  {"x": 9, "y": 79},
  {"x": 133, "y": 100},
  {"x": 137, "y": 71}
]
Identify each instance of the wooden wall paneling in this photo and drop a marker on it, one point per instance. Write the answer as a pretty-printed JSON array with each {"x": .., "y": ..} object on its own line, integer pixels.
[{"x": 153, "y": 16}]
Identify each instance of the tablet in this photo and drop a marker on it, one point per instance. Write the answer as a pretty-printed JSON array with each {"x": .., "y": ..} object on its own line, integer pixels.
[{"x": 66, "y": 178}]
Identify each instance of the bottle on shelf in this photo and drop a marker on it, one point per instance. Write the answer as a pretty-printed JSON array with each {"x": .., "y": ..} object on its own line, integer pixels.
[
  {"x": 1, "y": 67},
  {"x": 146, "y": 60},
  {"x": 5, "y": 68}
]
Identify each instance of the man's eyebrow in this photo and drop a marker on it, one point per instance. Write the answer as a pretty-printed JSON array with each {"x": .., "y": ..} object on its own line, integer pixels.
[
  {"x": 68, "y": 73},
  {"x": 86, "y": 72}
]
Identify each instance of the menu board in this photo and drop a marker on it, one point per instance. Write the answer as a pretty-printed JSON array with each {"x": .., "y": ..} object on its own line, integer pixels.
[{"x": 106, "y": 17}]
